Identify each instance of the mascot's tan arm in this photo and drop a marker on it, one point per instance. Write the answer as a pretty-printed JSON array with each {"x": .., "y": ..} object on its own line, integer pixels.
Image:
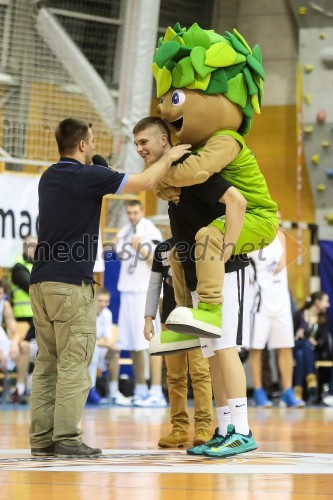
[
  {"x": 217, "y": 153},
  {"x": 166, "y": 192}
]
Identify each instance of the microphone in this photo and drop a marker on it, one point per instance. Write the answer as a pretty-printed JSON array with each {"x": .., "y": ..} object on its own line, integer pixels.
[{"x": 100, "y": 160}]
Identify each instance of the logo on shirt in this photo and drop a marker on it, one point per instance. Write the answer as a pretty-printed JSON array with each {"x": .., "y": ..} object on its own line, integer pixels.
[{"x": 165, "y": 258}]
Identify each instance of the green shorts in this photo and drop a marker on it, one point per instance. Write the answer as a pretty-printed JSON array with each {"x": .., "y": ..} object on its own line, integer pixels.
[{"x": 257, "y": 232}]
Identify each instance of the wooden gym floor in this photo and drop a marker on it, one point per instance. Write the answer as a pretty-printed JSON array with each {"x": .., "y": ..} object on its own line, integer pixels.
[{"x": 294, "y": 460}]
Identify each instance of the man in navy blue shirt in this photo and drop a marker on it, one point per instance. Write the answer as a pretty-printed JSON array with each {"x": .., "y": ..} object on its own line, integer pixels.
[{"x": 62, "y": 291}]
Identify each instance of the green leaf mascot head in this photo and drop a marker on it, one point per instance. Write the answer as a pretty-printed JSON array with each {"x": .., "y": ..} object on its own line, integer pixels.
[{"x": 207, "y": 82}]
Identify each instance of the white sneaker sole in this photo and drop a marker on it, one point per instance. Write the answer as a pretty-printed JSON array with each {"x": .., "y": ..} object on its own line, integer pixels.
[
  {"x": 266, "y": 405},
  {"x": 180, "y": 320},
  {"x": 124, "y": 404},
  {"x": 163, "y": 404},
  {"x": 94, "y": 455},
  {"x": 156, "y": 348},
  {"x": 328, "y": 400},
  {"x": 282, "y": 404}
]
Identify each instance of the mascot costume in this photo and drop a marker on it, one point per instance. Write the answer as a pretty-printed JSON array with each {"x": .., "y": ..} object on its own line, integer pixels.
[{"x": 209, "y": 87}]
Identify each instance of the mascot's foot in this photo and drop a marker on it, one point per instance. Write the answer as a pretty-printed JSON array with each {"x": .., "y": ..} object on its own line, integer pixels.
[
  {"x": 206, "y": 321},
  {"x": 168, "y": 342}
]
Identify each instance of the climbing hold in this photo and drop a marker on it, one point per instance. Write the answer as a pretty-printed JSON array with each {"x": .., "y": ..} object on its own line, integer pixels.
[
  {"x": 302, "y": 10},
  {"x": 315, "y": 159},
  {"x": 321, "y": 187},
  {"x": 308, "y": 99},
  {"x": 308, "y": 129},
  {"x": 329, "y": 173},
  {"x": 325, "y": 144},
  {"x": 329, "y": 218},
  {"x": 322, "y": 36},
  {"x": 308, "y": 68}
]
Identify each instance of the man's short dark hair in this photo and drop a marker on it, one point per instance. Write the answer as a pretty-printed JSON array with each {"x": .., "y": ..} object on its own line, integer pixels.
[
  {"x": 134, "y": 203},
  {"x": 150, "y": 121},
  {"x": 70, "y": 132}
]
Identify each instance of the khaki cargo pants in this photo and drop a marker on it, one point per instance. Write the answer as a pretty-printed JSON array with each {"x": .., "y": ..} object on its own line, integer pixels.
[
  {"x": 178, "y": 366},
  {"x": 65, "y": 322}
]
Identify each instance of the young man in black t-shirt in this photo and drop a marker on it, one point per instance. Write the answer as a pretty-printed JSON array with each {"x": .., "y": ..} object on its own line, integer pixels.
[
  {"x": 186, "y": 357},
  {"x": 61, "y": 286},
  {"x": 233, "y": 435}
]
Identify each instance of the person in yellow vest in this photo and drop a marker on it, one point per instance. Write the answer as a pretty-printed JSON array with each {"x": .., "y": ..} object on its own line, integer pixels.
[
  {"x": 21, "y": 280},
  {"x": 14, "y": 353},
  {"x": 20, "y": 299}
]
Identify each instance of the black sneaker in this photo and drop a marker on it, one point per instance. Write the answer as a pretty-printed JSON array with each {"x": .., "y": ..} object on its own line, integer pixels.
[
  {"x": 313, "y": 396},
  {"x": 23, "y": 399},
  {"x": 47, "y": 451},
  {"x": 81, "y": 451}
]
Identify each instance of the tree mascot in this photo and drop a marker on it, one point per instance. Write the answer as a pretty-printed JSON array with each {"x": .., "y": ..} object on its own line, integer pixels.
[{"x": 209, "y": 87}]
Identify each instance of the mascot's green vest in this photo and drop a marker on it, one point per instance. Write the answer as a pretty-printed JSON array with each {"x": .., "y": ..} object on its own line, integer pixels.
[
  {"x": 20, "y": 298},
  {"x": 244, "y": 174}
]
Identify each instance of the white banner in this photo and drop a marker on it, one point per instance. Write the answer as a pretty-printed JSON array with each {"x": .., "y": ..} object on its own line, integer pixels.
[
  {"x": 18, "y": 214},
  {"x": 19, "y": 217}
]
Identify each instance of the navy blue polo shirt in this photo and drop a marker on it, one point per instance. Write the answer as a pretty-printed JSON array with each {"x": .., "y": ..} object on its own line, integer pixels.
[{"x": 70, "y": 200}]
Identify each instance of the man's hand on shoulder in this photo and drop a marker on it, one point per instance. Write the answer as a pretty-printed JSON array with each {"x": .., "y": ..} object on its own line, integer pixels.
[{"x": 177, "y": 152}]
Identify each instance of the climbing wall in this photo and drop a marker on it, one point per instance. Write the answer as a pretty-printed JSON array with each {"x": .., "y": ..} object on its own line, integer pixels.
[{"x": 316, "y": 61}]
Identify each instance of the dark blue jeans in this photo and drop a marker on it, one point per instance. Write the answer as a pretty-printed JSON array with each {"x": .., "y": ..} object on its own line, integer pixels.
[{"x": 305, "y": 358}]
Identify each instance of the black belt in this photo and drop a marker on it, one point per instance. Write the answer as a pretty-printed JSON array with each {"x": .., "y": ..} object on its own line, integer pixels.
[{"x": 241, "y": 293}]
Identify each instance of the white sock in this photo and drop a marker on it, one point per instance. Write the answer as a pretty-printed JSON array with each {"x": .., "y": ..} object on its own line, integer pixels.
[
  {"x": 141, "y": 390},
  {"x": 195, "y": 299},
  {"x": 20, "y": 388},
  {"x": 113, "y": 388},
  {"x": 155, "y": 390},
  {"x": 238, "y": 410},
  {"x": 224, "y": 419}
]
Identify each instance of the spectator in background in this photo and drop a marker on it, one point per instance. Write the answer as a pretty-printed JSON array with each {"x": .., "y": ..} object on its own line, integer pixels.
[
  {"x": 136, "y": 243},
  {"x": 20, "y": 280},
  {"x": 20, "y": 299},
  {"x": 9, "y": 342},
  {"x": 272, "y": 322},
  {"x": 106, "y": 354},
  {"x": 328, "y": 397},
  {"x": 312, "y": 343},
  {"x": 13, "y": 351}
]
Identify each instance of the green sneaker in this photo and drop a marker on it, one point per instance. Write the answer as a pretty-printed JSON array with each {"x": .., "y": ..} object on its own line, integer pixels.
[
  {"x": 168, "y": 342},
  {"x": 206, "y": 321},
  {"x": 216, "y": 440},
  {"x": 234, "y": 444}
]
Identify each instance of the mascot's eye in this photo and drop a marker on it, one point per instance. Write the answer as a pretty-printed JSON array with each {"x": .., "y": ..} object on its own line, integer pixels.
[
  {"x": 161, "y": 100},
  {"x": 178, "y": 98}
]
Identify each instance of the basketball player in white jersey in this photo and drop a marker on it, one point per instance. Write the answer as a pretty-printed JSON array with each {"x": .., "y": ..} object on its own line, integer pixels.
[
  {"x": 136, "y": 243},
  {"x": 271, "y": 322}
]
